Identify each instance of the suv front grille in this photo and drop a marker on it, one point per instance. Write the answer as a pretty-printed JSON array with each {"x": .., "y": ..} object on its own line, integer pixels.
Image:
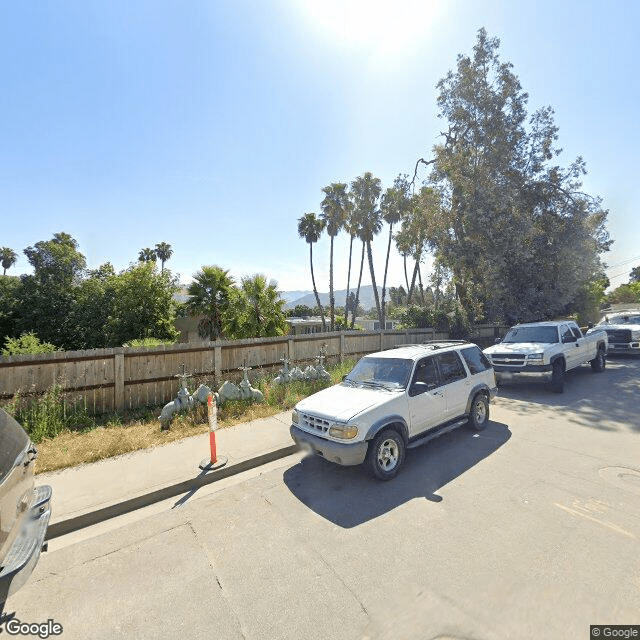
[
  {"x": 508, "y": 358},
  {"x": 619, "y": 335},
  {"x": 313, "y": 423}
]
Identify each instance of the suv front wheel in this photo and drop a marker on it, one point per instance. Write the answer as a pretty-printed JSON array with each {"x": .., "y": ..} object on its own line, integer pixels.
[{"x": 386, "y": 454}]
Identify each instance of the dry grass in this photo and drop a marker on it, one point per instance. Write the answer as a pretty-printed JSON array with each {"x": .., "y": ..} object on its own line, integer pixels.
[{"x": 69, "y": 448}]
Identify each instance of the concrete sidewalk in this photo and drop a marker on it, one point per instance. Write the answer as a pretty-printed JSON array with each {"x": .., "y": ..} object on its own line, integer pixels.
[{"x": 91, "y": 493}]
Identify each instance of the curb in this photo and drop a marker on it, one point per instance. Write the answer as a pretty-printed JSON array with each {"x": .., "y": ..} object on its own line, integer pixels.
[{"x": 70, "y": 525}]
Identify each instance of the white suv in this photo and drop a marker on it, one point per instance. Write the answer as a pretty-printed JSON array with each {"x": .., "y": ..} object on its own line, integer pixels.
[{"x": 395, "y": 400}]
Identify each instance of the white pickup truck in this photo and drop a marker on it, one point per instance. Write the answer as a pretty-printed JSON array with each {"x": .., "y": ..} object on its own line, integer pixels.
[
  {"x": 622, "y": 327},
  {"x": 548, "y": 349}
]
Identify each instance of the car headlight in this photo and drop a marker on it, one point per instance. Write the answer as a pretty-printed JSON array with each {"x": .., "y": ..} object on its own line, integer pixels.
[
  {"x": 343, "y": 431},
  {"x": 294, "y": 417},
  {"x": 535, "y": 356}
]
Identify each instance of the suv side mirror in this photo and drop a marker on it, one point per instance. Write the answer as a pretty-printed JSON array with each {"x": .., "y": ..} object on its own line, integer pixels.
[
  {"x": 497, "y": 341},
  {"x": 417, "y": 388}
]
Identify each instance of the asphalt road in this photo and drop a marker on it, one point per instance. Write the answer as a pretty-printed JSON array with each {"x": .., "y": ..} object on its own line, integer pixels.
[{"x": 529, "y": 529}]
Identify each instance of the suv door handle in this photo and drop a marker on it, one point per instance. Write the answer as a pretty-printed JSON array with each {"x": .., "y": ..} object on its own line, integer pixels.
[{"x": 437, "y": 393}]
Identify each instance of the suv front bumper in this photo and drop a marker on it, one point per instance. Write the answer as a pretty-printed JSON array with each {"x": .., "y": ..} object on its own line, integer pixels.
[
  {"x": 347, "y": 454},
  {"x": 23, "y": 555}
]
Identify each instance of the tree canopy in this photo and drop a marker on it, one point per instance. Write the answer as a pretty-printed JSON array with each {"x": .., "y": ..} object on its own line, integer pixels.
[{"x": 515, "y": 229}]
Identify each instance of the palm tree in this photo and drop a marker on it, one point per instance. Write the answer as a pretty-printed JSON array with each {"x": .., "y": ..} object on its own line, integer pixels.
[
  {"x": 260, "y": 314},
  {"x": 310, "y": 228},
  {"x": 8, "y": 258},
  {"x": 366, "y": 191},
  {"x": 147, "y": 255},
  {"x": 357, "y": 298},
  {"x": 394, "y": 204},
  {"x": 351, "y": 227},
  {"x": 210, "y": 295},
  {"x": 164, "y": 252},
  {"x": 335, "y": 208}
]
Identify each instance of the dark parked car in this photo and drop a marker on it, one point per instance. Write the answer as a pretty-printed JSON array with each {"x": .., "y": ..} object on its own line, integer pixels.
[{"x": 24, "y": 509}]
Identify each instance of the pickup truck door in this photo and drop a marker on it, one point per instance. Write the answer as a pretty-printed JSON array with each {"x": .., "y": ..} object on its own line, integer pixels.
[
  {"x": 584, "y": 344},
  {"x": 570, "y": 347},
  {"x": 426, "y": 397},
  {"x": 456, "y": 383}
]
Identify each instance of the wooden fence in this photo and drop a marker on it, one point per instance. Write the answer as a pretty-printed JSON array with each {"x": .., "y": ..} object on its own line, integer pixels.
[{"x": 127, "y": 378}]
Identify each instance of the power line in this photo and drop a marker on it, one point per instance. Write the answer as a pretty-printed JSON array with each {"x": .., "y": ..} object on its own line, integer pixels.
[{"x": 619, "y": 264}]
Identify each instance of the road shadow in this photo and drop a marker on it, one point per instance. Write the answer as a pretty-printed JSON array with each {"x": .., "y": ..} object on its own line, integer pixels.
[
  {"x": 601, "y": 401},
  {"x": 349, "y": 496}
]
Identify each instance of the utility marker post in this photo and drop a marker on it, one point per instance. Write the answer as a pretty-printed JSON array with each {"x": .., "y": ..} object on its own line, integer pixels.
[{"x": 214, "y": 461}]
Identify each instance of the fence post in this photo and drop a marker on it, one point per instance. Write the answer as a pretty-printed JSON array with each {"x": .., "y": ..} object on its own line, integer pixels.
[
  {"x": 291, "y": 350},
  {"x": 341, "y": 346},
  {"x": 118, "y": 378},
  {"x": 217, "y": 363}
]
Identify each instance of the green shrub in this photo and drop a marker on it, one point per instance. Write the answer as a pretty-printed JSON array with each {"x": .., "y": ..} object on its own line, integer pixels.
[
  {"x": 147, "y": 342},
  {"x": 27, "y": 343},
  {"x": 51, "y": 413}
]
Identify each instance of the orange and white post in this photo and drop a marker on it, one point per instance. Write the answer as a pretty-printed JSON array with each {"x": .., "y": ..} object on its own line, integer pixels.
[
  {"x": 214, "y": 460},
  {"x": 212, "y": 413}
]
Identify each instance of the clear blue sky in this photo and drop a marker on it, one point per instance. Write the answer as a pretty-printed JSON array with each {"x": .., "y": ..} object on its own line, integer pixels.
[{"x": 214, "y": 125}]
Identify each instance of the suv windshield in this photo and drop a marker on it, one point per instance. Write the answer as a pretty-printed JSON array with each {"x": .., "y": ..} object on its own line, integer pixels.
[
  {"x": 547, "y": 335},
  {"x": 391, "y": 373},
  {"x": 624, "y": 319}
]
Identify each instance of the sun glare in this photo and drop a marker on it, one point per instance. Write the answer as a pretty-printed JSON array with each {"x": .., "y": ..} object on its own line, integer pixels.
[{"x": 376, "y": 25}]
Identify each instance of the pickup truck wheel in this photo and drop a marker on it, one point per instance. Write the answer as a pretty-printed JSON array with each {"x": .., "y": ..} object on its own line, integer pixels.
[
  {"x": 386, "y": 454},
  {"x": 599, "y": 363},
  {"x": 479, "y": 415},
  {"x": 557, "y": 377}
]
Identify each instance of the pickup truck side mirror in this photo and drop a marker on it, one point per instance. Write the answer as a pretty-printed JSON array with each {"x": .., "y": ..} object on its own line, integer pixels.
[{"x": 568, "y": 339}]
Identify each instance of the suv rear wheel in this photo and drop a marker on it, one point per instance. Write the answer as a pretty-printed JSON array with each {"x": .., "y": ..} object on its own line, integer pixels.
[{"x": 386, "y": 454}]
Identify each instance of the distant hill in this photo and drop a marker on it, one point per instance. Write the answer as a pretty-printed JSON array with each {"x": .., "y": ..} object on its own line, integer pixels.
[{"x": 367, "y": 299}]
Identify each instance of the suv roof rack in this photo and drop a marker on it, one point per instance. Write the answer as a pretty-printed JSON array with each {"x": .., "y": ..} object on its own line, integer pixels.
[{"x": 433, "y": 344}]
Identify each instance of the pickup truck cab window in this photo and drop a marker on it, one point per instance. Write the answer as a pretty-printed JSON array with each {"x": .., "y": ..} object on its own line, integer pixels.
[
  {"x": 576, "y": 331},
  {"x": 566, "y": 334},
  {"x": 548, "y": 335}
]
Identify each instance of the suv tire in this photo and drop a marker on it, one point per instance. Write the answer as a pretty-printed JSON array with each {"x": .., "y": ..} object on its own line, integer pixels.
[
  {"x": 479, "y": 414},
  {"x": 557, "y": 377},
  {"x": 599, "y": 363},
  {"x": 386, "y": 454}
]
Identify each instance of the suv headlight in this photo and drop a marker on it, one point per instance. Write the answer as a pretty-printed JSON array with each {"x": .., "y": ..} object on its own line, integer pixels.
[
  {"x": 294, "y": 417},
  {"x": 343, "y": 431},
  {"x": 535, "y": 356}
]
